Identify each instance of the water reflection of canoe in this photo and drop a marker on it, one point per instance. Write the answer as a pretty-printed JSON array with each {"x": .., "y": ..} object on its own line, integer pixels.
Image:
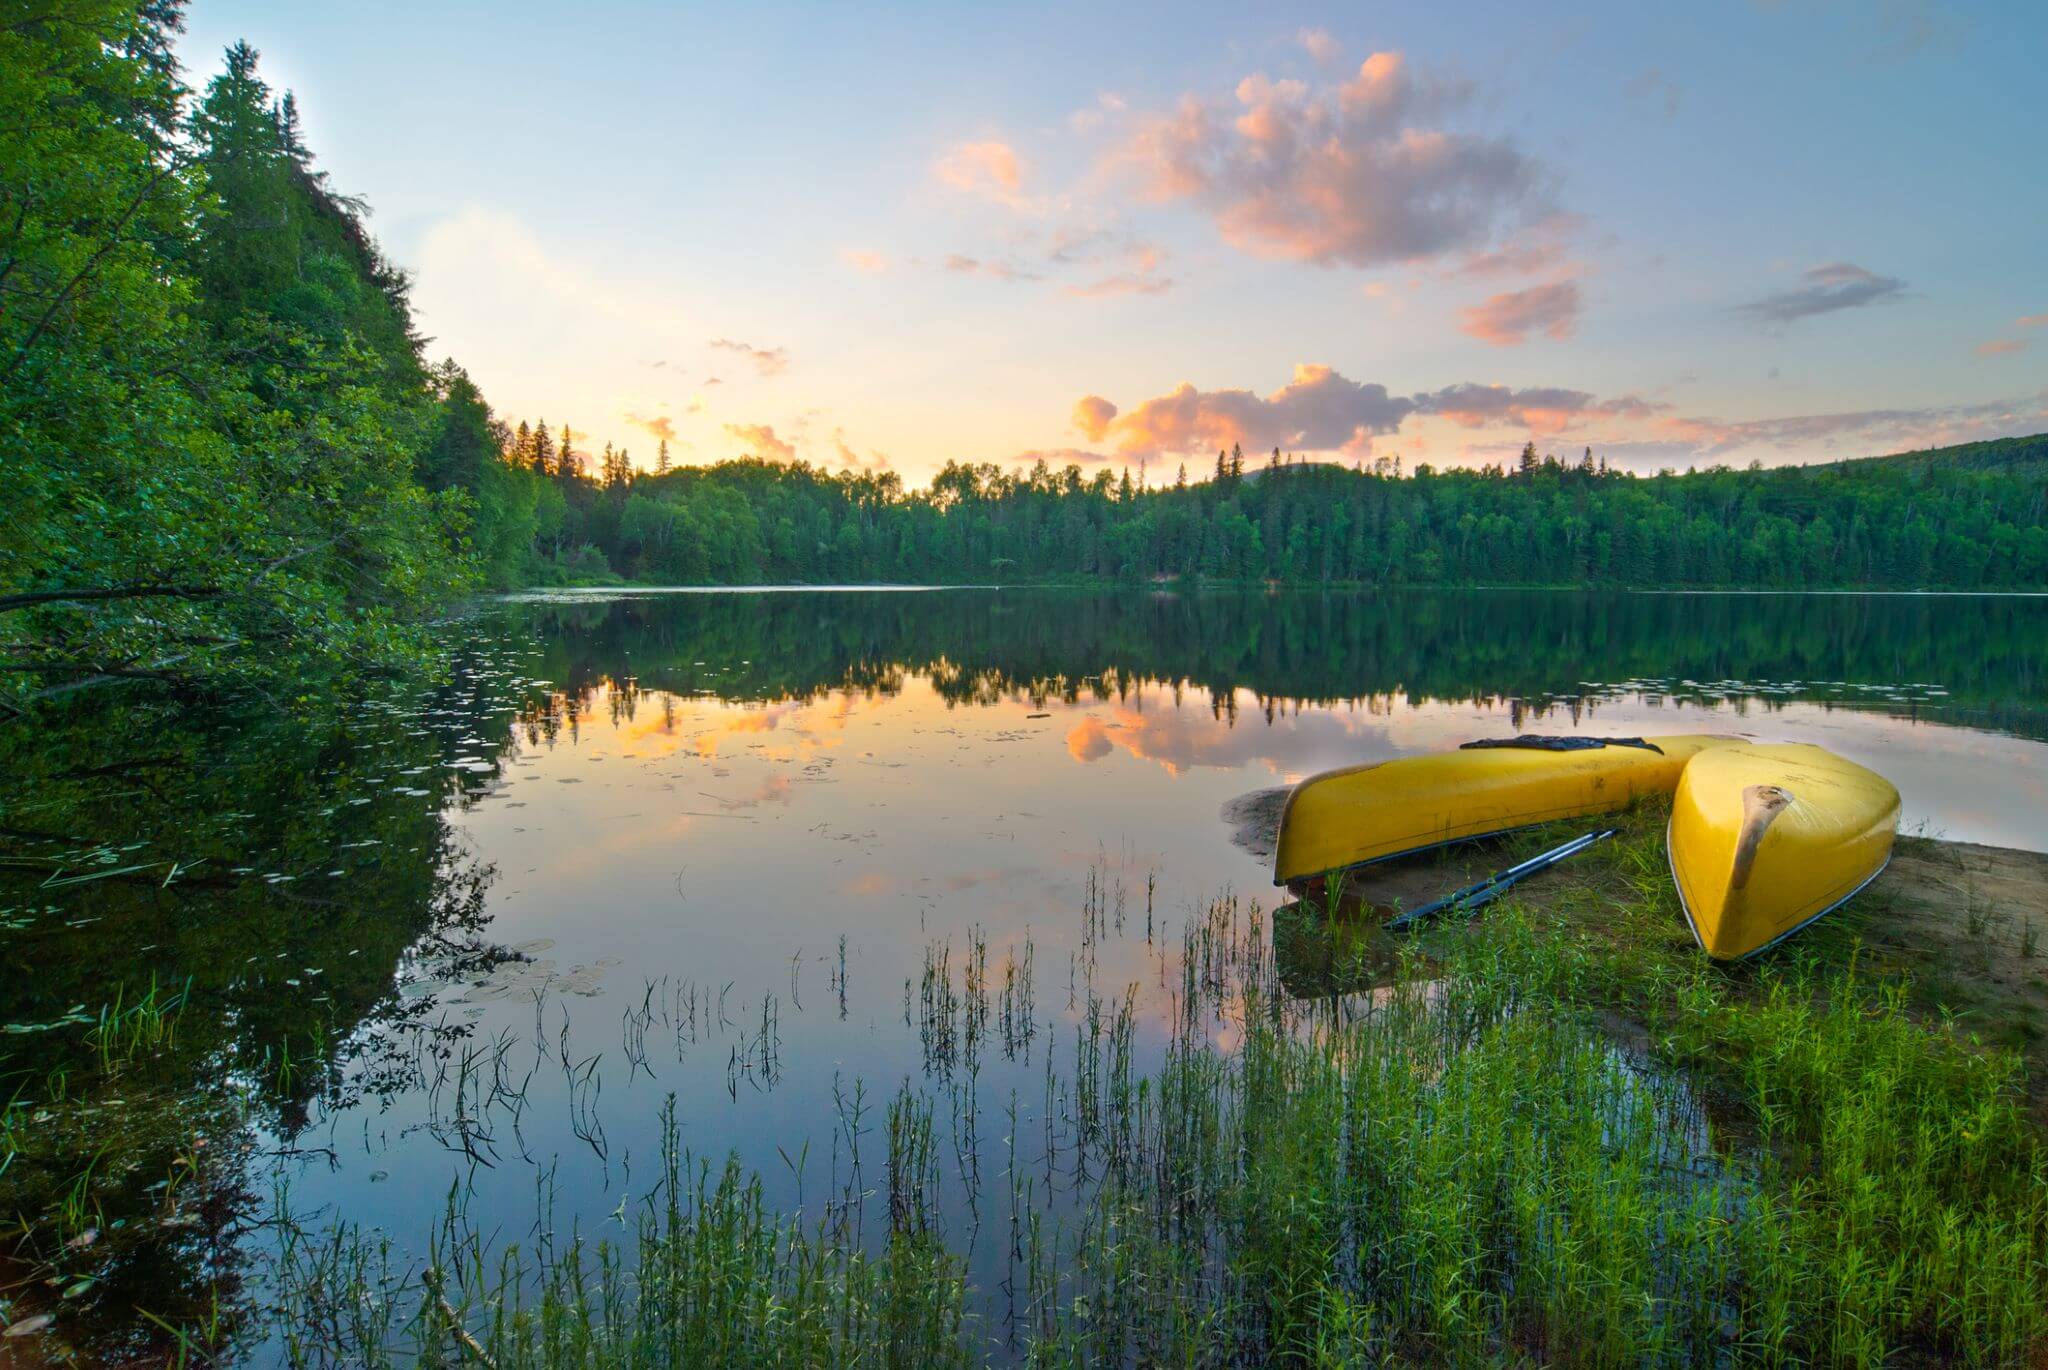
[
  {"x": 1368, "y": 813},
  {"x": 1765, "y": 838}
]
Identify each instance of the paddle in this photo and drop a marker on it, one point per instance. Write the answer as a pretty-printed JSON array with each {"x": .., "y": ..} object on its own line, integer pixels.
[{"x": 1493, "y": 886}]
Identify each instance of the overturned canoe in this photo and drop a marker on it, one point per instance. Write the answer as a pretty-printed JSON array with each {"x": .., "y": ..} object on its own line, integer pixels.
[
  {"x": 1368, "y": 813},
  {"x": 1767, "y": 837}
]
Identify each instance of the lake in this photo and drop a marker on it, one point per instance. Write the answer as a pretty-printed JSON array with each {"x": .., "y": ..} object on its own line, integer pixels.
[{"x": 765, "y": 851}]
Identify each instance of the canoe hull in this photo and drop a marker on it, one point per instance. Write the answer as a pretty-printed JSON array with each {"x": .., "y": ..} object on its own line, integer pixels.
[
  {"x": 1362, "y": 814},
  {"x": 1766, "y": 838}
]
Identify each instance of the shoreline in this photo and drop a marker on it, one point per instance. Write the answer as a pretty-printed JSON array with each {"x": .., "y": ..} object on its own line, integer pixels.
[{"x": 1964, "y": 925}]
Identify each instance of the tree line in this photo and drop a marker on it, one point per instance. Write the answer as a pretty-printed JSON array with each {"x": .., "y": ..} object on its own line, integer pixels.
[
  {"x": 1977, "y": 521},
  {"x": 231, "y": 465}
]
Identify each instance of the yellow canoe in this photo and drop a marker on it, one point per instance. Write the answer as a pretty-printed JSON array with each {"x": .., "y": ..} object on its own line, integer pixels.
[
  {"x": 1384, "y": 809},
  {"x": 1767, "y": 837}
]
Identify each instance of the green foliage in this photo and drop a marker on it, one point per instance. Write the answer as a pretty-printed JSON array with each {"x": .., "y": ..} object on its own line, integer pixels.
[
  {"x": 226, "y": 460},
  {"x": 1979, "y": 521},
  {"x": 1462, "y": 1169}
]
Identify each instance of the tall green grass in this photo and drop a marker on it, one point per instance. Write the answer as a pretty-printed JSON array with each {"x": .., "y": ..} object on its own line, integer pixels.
[{"x": 1464, "y": 1167}]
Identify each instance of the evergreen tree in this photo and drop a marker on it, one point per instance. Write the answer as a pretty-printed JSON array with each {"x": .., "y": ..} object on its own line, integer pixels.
[{"x": 200, "y": 344}]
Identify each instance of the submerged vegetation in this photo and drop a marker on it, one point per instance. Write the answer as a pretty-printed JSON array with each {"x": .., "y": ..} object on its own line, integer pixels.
[
  {"x": 1546, "y": 1133},
  {"x": 1464, "y": 1164}
]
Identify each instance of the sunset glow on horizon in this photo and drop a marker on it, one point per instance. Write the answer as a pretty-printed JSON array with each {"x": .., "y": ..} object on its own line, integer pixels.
[{"x": 885, "y": 241}]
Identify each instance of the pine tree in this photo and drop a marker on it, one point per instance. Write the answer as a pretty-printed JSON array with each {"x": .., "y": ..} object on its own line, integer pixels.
[
  {"x": 290, "y": 133},
  {"x": 1222, "y": 466},
  {"x": 567, "y": 464},
  {"x": 1236, "y": 460},
  {"x": 1181, "y": 481},
  {"x": 1528, "y": 464},
  {"x": 661, "y": 459}
]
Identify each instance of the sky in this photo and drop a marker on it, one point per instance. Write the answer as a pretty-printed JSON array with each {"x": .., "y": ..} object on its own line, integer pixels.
[{"x": 888, "y": 237}]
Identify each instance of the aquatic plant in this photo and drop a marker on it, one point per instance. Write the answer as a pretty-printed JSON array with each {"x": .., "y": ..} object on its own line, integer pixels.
[{"x": 1460, "y": 1166}]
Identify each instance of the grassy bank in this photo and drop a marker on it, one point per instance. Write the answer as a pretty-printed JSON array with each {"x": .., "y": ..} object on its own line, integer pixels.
[
  {"x": 1549, "y": 1134},
  {"x": 1536, "y": 1137}
]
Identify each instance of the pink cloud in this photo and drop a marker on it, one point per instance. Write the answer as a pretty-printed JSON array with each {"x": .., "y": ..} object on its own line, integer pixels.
[
  {"x": 874, "y": 463},
  {"x": 1872, "y": 430},
  {"x": 660, "y": 426},
  {"x": 872, "y": 263},
  {"x": 1092, "y": 416},
  {"x": 1539, "y": 409},
  {"x": 1540, "y": 251},
  {"x": 990, "y": 169},
  {"x": 962, "y": 265},
  {"x": 2031, "y": 321},
  {"x": 1319, "y": 44},
  {"x": 1106, "y": 104},
  {"x": 1507, "y": 319},
  {"x": 2001, "y": 347},
  {"x": 1363, "y": 175},
  {"x": 769, "y": 361},
  {"x": 759, "y": 440},
  {"x": 1321, "y": 411},
  {"x": 1123, "y": 283},
  {"x": 1057, "y": 457},
  {"x": 1318, "y": 410}
]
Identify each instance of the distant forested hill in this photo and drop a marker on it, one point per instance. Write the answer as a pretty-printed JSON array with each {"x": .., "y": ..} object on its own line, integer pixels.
[
  {"x": 1921, "y": 520},
  {"x": 1999, "y": 454}
]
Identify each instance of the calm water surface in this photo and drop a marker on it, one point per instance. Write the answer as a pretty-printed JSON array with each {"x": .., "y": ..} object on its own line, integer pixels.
[{"x": 709, "y": 845}]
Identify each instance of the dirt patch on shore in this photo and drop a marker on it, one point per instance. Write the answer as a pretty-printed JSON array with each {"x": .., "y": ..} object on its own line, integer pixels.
[{"x": 1971, "y": 923}]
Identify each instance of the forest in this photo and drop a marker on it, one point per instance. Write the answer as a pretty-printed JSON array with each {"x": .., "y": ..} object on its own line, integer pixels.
[
  {"x": 1964, "y": 518},
  {"x": 231, "y": 463}
]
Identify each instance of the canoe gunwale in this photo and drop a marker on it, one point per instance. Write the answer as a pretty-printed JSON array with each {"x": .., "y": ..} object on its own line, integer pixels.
[{"x": 1692, "y": 925}]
